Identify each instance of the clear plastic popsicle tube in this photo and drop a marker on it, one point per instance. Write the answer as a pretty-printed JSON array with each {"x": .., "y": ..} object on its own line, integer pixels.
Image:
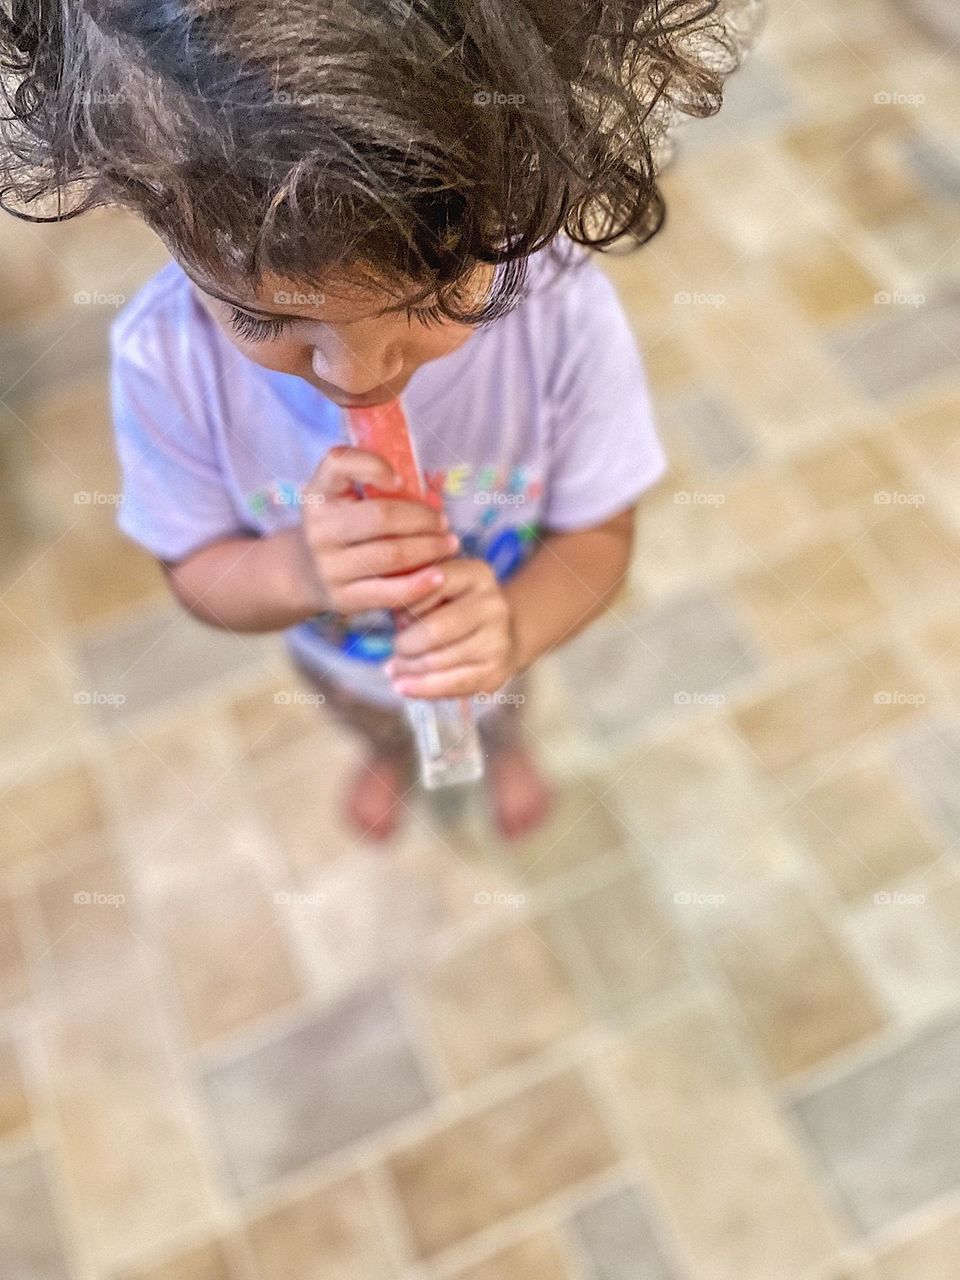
[{"x": 445, "y": 729}]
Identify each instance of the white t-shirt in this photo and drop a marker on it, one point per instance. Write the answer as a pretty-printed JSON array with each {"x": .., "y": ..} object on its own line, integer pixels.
[{"x": 540, "y": 421}]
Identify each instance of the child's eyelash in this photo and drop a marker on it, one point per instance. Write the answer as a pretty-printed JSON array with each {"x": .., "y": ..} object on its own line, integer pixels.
[
  {"x": 426, "y": 315},
  {"x": 253, "y": 328}
]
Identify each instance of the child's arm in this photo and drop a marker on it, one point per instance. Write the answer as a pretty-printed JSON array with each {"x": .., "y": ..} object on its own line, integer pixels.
[
  {"x": 248, "y": 583},
  {"x": 346, "y": 555},
  {"x": 566, "y": 583}
]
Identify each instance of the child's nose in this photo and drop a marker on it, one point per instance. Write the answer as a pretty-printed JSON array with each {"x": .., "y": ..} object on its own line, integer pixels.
[{"x": 357, "y": 369}]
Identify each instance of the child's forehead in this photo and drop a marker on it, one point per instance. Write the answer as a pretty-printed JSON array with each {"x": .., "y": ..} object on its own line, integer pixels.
[{"x": 340, "y": 299}]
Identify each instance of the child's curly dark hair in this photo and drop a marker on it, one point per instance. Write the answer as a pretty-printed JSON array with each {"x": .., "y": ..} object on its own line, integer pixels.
[{"x": 405, "y": 141}]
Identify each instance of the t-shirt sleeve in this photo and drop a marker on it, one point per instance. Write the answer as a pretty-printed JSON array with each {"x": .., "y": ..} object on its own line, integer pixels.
[
  {"x": 604, "y": 449},
  {"x": 175, "y": 499}
]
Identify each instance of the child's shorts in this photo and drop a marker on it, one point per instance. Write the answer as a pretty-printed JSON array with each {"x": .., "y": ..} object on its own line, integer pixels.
[{"x": 388, "y": 731}]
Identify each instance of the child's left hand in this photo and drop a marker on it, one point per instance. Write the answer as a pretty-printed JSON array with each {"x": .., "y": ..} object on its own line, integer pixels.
[{"x": 459, "y": 641}]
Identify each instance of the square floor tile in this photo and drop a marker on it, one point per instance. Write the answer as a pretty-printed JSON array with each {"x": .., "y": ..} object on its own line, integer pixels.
[
  {"x": 817, "y": 593},
  {"x": 518, "y": 1152},
  {"x": 157, "y": 656},
  {"x": 616, "y": 1236},
  {"x": 888, "y": 1133},
  {"x": 319, "y": 1087},
  {"x": 642, "y": 663},
  {"x": 850, "y": 473},
  {"x": 499, "y": 1001},
  {"x": 919, "y": 550},
  {"x": 829, "y": 709},
  {"x": 725, "y": 1171},
  {"x": 697, "y": 815},
  {"x": 863, "y": 829},
  {"x": 117, "y": 1098},
  {"x": 896, "y": 348},
  {"x": 205, "y": 1262},
  {"x": 14, "y": 1103},
  {"x": 540, "y": 1258},
  {"x": 14, "y": 982},
  {"x": 928, "y": 760},
  {"x": 45, "y": 810},
  {"x": 931, "y": 1253},
  {"x": 31, "y": 1247},
  {"x": 332, "y": 1231},
  {"x": 581, "y": 826},
  {"x": 230, "y": 958},
  {"x": 630, "y": 943},
  {"x": 798, "y": 986}
]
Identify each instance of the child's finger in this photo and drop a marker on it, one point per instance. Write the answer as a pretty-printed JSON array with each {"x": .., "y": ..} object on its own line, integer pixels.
[
  {"x": 386, "y": 593},
  {"x": 343, "y": 467},
  {"x": 388, "y": 556},
  {"x": 458, "y": 682},
  {"x": 463, "y": 652},
  {"x": 343, "y": 523}
]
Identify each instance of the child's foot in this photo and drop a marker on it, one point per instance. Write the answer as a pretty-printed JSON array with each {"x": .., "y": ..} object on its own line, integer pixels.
[
  {"x": 520, "y": 796},
  {"x": 374, "y": 801}
]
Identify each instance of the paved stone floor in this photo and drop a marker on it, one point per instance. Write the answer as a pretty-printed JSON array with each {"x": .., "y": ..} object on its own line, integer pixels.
[{"x": 705, "y": 1025}]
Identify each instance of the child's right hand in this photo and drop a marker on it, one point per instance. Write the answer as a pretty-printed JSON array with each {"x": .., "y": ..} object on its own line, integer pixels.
[{"x": 374, "y": 553}]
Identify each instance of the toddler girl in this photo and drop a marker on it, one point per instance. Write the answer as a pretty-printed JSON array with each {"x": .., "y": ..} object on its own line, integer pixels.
[{"x": 366, "y": 201}]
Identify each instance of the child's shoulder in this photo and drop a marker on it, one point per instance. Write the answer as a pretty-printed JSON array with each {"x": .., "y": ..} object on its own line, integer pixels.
[{"x": 161, "y": 321}]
